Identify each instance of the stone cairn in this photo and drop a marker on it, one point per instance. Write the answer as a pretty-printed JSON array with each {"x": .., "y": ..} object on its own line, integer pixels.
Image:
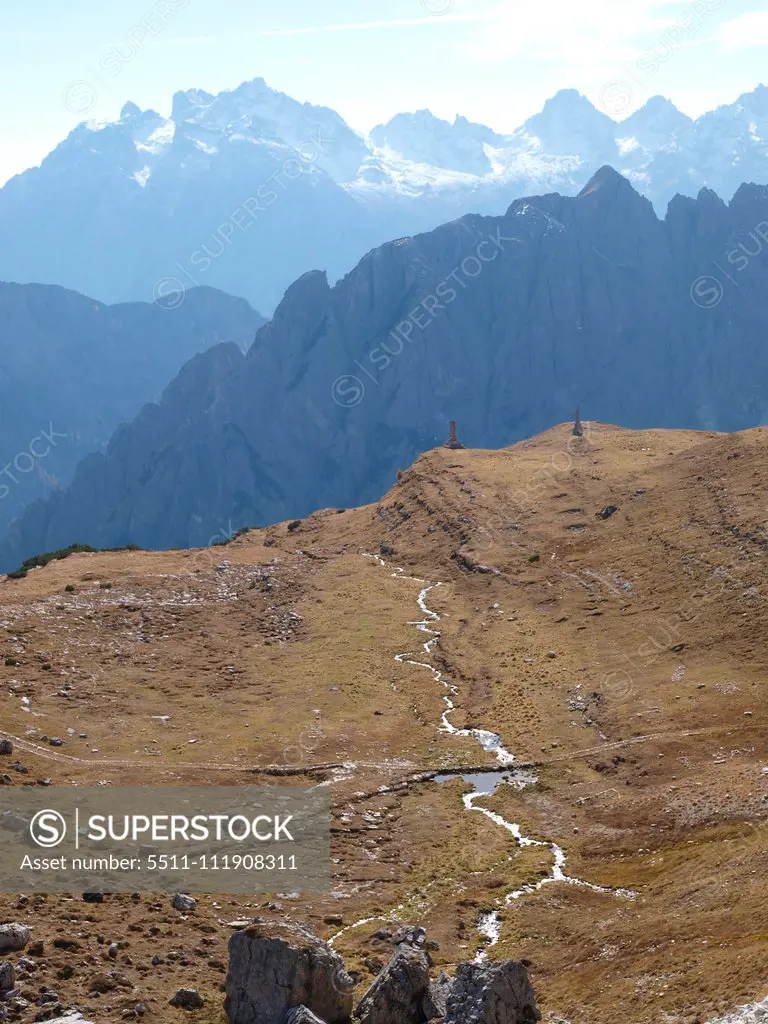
[
  {"x": 453, "y": 441},
  {"x": 578, "y": 429}
]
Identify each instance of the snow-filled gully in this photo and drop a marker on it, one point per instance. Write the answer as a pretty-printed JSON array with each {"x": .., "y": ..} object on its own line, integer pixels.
[{"x": 487, "y": 783}]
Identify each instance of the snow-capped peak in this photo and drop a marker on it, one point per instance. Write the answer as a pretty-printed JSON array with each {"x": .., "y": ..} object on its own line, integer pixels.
[
  {"x": 570, "y": 124},
  {"x": 654, "y": 122},
  {"x": 254, "y": 111},
  {"x": 423, "y": 138}
]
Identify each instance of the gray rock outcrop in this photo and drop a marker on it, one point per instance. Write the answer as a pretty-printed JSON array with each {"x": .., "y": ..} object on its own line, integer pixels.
[
  {"x": 411, "y": 935},
  {"x": 13, "y": 937},
  {"x": 184, "y": 903},
  {"x": 436, "y": 999},
  {"x": 7, "y": 977},
  {"x": 275, "y": 968},
  {"x": 492, "y": 993},
  {"x": 397, "y": 995}
]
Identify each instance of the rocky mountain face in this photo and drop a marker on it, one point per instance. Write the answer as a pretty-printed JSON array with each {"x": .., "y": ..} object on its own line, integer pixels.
[
  {"x": 504, "y": 324},
  {"x": 247, "y": 190},
  {"x": 74, "y": 369}
]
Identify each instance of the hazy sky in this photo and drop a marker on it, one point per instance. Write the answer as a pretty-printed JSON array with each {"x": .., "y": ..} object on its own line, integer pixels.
[{"x": 492, "y": 61}]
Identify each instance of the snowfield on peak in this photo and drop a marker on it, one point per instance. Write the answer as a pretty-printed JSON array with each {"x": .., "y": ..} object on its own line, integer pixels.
[{"x": 249, "y": 189}]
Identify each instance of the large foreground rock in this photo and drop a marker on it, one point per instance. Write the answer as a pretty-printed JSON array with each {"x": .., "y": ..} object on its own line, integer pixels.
[
  {"x": 397, "y": 995},
  {"x": 274, "y": 968},
  {"x": 492, "y": 994},
  {"x": 13, "y": 937}
]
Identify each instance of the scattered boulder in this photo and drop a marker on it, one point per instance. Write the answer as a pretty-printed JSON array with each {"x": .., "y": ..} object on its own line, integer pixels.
[
  {"x": 276, "y": 967},
  {"x": 397, "y": 995},
  {"x": 411, "y": 935},
  {"x": 102, "y": 983},
  {"x": 108, "y": 982},
  {"x": 467, "y": 563},
  {"x": 607, "y": 512},
  {"x": 6, "y": 747},
  {"x": 13, "y": 937},
  {"x": 436, "y": 999},
  {"x": 7, "y": 977},
  {"x": 301, "y": 1015},
  {"x": 47, "y": 997},
  {"x": 183, "y": 902},
  {"x": 499, "y": 993},
  {"x": 188, "y": 999}
]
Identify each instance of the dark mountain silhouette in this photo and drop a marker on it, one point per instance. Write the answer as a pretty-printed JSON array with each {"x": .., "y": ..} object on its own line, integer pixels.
[
  {"x": 505, "y": 324},
  {"x": 73, "y": 369}
]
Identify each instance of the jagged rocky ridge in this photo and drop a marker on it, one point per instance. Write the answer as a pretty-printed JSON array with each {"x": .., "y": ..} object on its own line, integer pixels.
[
  {"x": 284, "y": 974},
  {"x": 247, "y": 190},
  {"x": 504, "y": 324},
  {"x": 73, "y": 369}
]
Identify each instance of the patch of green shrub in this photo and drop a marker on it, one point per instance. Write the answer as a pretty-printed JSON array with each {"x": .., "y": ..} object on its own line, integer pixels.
[{"x": 38, "y": 561}]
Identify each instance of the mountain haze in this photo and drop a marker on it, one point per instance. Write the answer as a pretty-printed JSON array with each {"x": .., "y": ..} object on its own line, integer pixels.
[
  {"x": 76, "y": 369},
  {"x": 249, "y": 189},
  {"x": 504, "y": 324}
]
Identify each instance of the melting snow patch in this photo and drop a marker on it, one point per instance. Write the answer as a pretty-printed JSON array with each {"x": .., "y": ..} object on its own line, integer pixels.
[{"x": 160, "y": 137}]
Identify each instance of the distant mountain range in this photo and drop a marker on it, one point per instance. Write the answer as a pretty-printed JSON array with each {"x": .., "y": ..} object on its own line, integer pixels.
[
  {"x": 503, "y": 323},
  {"x": 247, "y": 190},
  {"x": 72, "y": 370}
]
